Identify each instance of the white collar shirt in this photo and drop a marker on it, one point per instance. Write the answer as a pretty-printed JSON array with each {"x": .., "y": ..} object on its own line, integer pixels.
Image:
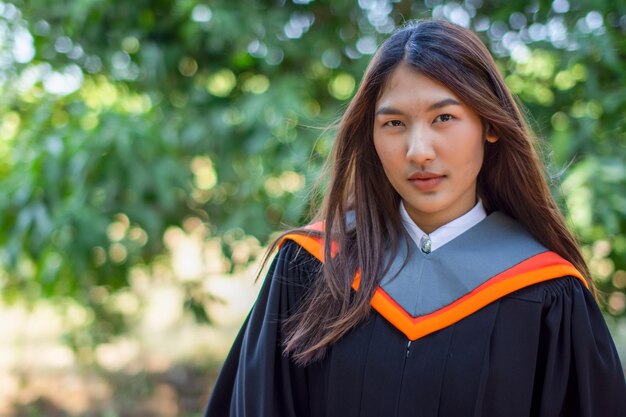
[{"x": 444, "y": 234}]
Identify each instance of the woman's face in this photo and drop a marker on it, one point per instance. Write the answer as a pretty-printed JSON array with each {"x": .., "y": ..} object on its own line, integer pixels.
[{"x": 430, "y": 145}]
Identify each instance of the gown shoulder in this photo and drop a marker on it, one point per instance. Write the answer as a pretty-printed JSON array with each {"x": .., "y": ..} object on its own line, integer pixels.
[{"x": 578, "y": 370}]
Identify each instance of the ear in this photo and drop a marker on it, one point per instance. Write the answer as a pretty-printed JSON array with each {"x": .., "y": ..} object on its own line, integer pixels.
[{"x": 488, "y": 132}]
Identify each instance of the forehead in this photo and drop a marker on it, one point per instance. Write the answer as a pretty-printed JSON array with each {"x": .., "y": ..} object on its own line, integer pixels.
[{"x": 407, "y": 83}]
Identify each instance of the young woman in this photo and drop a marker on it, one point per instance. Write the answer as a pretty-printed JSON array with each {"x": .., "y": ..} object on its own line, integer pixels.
[{"x": 439, "y": 278}]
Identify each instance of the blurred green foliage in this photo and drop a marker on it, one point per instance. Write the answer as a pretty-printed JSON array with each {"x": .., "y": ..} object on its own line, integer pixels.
[{"x": 121, "y": 119}]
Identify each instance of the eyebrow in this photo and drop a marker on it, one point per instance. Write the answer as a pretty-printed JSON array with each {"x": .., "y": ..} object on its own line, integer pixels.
[{"x": 449, "y": 101}]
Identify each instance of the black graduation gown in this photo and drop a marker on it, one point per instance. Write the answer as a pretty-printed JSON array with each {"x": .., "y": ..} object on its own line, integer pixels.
[{"x": 542, "y": 351}]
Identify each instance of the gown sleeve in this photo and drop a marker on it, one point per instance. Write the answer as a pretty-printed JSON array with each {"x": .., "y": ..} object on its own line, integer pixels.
[
  {"x": 256, "y": 379},
  {"x": 580, "y": 374}
]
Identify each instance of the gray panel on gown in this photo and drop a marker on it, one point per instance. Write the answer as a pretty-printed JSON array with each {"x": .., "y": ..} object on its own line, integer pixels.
[{"x": 423, "y": 283}]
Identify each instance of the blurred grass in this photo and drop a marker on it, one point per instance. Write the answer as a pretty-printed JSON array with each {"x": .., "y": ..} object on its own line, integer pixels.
[{"x": 164, "y": 366}]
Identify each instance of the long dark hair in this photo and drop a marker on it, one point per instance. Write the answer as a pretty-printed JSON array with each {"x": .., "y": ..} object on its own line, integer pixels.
[{"x": 512, "y": 180}]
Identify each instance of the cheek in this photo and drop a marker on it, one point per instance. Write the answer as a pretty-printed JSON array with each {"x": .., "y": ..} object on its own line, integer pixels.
[
  {"x": 479, "y": 154},
  {"x": 467, "y": 147},
  {"x": 476, "y": 153},
  {"x": 378, "y": 146},
  {"x": 387, "y": 154},
  {"x": 386, "y": 164},
  {"x": 474, "y": 159},
  {"x": 380, "y": 152}
]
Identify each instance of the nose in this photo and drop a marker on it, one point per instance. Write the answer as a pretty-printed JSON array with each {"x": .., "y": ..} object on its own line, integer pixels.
[{"x": 420, "y": 146}]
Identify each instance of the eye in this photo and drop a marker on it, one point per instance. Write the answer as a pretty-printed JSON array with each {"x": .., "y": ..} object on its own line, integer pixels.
[
  {"x": 393, "y": 123},
  {"x": 443, "y": 118}
]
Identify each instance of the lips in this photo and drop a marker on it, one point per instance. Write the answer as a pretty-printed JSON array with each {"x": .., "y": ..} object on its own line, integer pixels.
[{"x": 426, "y": 181}]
